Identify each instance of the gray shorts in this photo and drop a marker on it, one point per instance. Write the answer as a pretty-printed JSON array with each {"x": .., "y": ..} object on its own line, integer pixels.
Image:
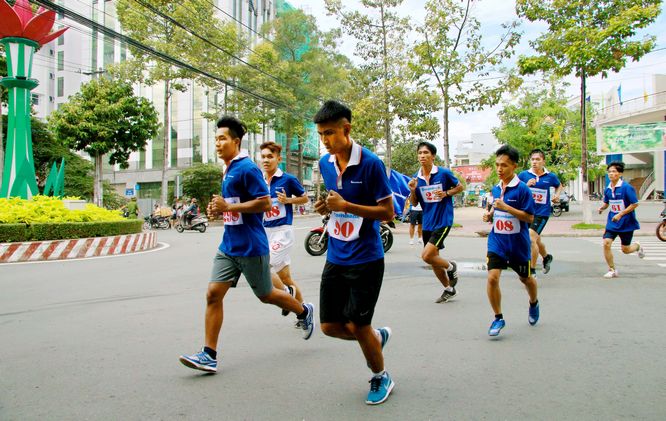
[{"x": 256, "y": 270}]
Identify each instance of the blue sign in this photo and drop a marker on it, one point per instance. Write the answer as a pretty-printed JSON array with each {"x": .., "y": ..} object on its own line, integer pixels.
[{"x": 129, "y": 192}]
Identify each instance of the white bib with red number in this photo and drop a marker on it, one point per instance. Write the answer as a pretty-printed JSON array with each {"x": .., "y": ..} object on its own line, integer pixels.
[
  {"x": 539, "y": 195},
  {"x": 232, "y": 218},
  {"x": 278, "y": 210},
  {"x": 616, "y": 206},
  {"x": 428, "y": 193},
  {"x": 505, "y": 223},
  {"x": 344, "y": 226}
]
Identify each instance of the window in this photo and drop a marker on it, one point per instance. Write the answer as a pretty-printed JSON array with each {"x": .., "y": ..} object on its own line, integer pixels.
[
  {"x": 35, "y": 99},
  {"x": 61, "y": 86},
  {"x": 51, "y": 75},
  {"x": 61, "y": 60},
  {"x": 61, "y": 39}
]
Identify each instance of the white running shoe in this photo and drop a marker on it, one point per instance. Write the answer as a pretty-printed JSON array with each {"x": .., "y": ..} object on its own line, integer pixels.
[
  {"x": 411, "y": 241},
  {"x": 612, "y": 273},
  {"x": 641, "y": 252}
]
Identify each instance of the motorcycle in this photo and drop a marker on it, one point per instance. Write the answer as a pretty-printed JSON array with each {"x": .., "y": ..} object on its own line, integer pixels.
[
  {"x": 198, "y": 223},
  {"x": 316, "y": 242},
  {"x": 156, "y": 222},
  {"x": 661, "y": 228}
]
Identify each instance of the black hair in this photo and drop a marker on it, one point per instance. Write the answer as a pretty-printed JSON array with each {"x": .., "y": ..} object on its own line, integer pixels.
[
  {"x": 509, "y": 151},
  {"x": 332, "y": 111},
  {"x": 619, "y": 166},
  {"x": 236, "y": 127},
  {"x": 539, "y": 151},
  {"x": 430, "y": 146}
]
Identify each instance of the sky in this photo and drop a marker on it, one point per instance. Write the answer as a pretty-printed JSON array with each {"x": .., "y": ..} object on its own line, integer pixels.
[{"x": 635, "y": 78}]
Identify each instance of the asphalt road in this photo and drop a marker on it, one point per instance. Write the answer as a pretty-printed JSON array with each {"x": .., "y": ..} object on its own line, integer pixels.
[{"x": 100, "y": 339}]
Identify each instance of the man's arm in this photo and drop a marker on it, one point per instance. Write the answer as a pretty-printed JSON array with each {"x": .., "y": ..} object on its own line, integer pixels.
[
  {"x": 258, "y": 205},
  {"x": 499, "y": 204}
]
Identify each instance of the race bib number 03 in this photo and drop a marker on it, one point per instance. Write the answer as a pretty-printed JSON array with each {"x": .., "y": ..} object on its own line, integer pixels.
[
  {"x": 278, "y": 211},
  {"x": 540, "y": 196},
  {"x": 616, "y": 206},
  {"x": 428, "y": 193},
  {"x": 344, "y": 226},
  {"x": 505, "y": 223},
  {"x": 232, "y": 218}
]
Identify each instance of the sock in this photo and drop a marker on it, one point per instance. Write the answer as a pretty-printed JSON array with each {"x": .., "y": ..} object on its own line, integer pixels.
[
  {"x": 211, "y": 352},
  {"x": 532, "y": 305},
  {"x": 381, "y": 373},
  {"x": 499, "y": 316},
  {"x": 450, "y": 289},
  {"x": 304, "y": 314}
]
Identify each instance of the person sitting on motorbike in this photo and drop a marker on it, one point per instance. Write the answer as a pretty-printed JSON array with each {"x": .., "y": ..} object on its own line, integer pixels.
[{"x": 191, "y": 212}]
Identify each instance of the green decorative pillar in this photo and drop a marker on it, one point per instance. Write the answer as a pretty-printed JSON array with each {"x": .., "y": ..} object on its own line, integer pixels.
[{"x": 18, "y": 178}]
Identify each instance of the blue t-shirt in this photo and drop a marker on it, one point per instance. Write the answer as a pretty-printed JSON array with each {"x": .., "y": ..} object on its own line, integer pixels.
[
  {"x": 541, "y": 190},
  {"x": 619, "y": 199},
  {"x": 436, "y": 213},
  {"x": 353, "y": 240},
  {"x": 510, "y": 237},
  {"x": 244, "y": 233},
  {"x": 280, "y": 213}
]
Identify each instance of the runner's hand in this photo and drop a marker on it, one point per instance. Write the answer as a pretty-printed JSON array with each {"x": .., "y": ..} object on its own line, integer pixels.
[
  {"x": 499, "y": 204},
  {"x": 487, "y": 217},
  {"x": 616, "y": 217},
  {"x": 412, "y": 184},
  {"x": 601, "y": 210},
  {"x": 320, "y": 207},
  {"x": 531, "y": 182},
  {"x": 219, "y": 205},
  {"x": 335, "y": 202},
  {"x": 282, "y": 197}
]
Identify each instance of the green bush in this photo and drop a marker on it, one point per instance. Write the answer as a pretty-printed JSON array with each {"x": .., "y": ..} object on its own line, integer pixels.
[{"x": 70, "y": 230}]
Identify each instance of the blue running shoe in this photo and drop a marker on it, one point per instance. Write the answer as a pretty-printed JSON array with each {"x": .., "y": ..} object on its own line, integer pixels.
[
  {"x": 308, "y": 324},
  {"x": 496, "y": 326},
  {"x": 200, "y": 361},
  {"x": 385, "y": 333},
  {"x": 380, "y": 388},
  {"x": 533, "y": 316}
]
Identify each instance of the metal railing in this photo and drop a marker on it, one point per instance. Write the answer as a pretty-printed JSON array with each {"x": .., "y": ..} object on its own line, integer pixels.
[{"x": 646, "y": 185}]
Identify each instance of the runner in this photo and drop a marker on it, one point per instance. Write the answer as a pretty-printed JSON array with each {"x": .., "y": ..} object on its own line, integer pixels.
[
  {"x": 285, "y": 191},
  {"x": 415, "y": 219},
  {"x": 244, "y": 247},
  {"x": 359, "y": 197},
  {"x": 433, "y": 188},
  {"x": 621, "y": 198},
  {"x": 509, "y": 240},
  {"x": 540, "y": 181}
]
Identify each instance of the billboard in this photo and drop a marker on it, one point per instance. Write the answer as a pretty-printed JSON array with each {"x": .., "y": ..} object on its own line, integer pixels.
[
  {"x": 472, "y": 173},
  {"x": 628, "y": 138}
]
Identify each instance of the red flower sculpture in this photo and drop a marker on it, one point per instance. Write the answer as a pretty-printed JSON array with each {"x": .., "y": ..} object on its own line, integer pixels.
[{"x": 18, "y": 21}]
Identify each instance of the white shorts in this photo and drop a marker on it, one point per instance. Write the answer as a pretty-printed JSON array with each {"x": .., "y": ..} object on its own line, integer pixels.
[{"x": 280, "y": 240}]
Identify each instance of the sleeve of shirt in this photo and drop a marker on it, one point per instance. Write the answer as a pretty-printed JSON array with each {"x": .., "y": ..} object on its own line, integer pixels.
[
  {"x": 606, "y": 197},
  {"x": 296, "y": 189},
  {"x": 631, "y": 194},
  {"x": 523, "y": 177},
  {"x": 381, "y": 187},
  {"x": 255, "y": 184},
  {"x": 556, "y": 181},
  {"x": 451, "y": 178}
]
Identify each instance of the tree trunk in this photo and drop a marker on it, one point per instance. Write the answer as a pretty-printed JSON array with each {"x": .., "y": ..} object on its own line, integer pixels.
[
  {"x": 387, "y": 117},
  {"x": 167, "y": 137},
  {"x": 445, "y": 133},
  {"x": 300, "y": 161},
  {"x": 587, "y": 206},
  {"x": 2, "y": 148},
  {"x": 98, "y": 194}
]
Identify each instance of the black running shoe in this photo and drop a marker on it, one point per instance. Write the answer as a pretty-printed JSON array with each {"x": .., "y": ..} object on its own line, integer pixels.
[
  {"x": 546, "y": 263},
  {"x": 447, "y": 296},
  {"x": 452, "y": 273}
]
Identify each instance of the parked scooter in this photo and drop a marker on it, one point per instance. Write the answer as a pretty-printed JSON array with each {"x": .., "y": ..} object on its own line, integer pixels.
[
  {"x": 661, "y": 228},
  {"x": 156, "y": 222},
  {"x": 198, "y": 223},
  {"x": 316, "y": 242}
]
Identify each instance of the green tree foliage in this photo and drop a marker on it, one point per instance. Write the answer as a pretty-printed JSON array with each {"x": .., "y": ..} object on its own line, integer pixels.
[
  {"x": 452, "y": 52},
  {"x": 202, "y": 181},
  {"x": 105, "y": 118}
]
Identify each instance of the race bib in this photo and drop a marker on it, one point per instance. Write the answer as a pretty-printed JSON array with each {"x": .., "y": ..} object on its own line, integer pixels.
[
  {"x": 344, "y": 226},
  {"x": 428, "y": 193},
  {"x": 539, "y": 195},
  {"x": 505, "y": 223},
  {"x": 278, "y": 210},
  {"x": 616, "y": 206},
  {"x": 232, "y": 218}
]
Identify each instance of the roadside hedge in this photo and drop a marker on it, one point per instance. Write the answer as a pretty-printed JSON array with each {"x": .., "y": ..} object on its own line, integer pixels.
[{"x": 10, "y": 233}]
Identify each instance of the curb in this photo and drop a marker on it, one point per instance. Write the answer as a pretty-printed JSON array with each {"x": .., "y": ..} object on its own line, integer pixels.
[{"x": 34, "y": 251}]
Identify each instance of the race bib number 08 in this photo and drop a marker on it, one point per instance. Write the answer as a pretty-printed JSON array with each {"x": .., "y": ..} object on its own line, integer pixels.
[
  {"x": 278, "y": 211},
  {"x": 505, "y": 223},
  {"x": 616, "y": 206},
  {"x": 232, "y": 218},
  {"x": 540, "y": 196},
  {"x": 344, "y": 226},
  {"x": 428, "y": 193}
]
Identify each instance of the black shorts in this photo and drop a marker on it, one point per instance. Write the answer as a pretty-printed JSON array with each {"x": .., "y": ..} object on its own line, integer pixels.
[
  {"x": 625, "y": 237},
  {"x": 539, "y": 223},
  {"x": 436, "y": 237},
  {"x": 416, "y": 217},
  {"x": 496, "y": 262},
  {"x": 349, "y": 293}
]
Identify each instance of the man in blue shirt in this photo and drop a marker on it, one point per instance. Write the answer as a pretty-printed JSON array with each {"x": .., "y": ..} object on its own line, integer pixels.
[
  {"x": 509, "y": 240},
  {"x": 433, "y": 188},
  {"x": 285, "y": 191},
  {"x": 359, "y": 197},
  {"x": 622, "y": 200},
  {"x": 244, "y": 247},
  {"x": 540, "y": 181}
]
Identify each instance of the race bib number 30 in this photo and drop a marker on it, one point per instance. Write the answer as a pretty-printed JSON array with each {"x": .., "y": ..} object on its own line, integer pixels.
[
  {"x": 428, "y": 193},
  {"x": 344, "y": 226},
  {"x": 505, "y": 223},
  {"x": 539, "y": 195},
  {"x": 278, "y": 211},
  {"x": 616, "y": 206},
  {"x": 232, "y": 218}
]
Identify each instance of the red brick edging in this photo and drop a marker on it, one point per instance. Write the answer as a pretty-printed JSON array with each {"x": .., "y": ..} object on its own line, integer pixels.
[{"x": 74, "y": 249}]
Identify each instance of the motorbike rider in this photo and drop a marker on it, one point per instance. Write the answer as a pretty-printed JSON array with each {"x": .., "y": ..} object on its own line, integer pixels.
[{"x": 191, "y": 212}]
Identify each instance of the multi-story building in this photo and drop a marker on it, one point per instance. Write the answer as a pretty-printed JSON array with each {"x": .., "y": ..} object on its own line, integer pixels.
[
  {"x": 83, "y": 53},
  {"x": 473, "y": 151}
]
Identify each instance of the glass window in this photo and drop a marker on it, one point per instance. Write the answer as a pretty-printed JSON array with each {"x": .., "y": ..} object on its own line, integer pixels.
[
  {"x": 35, "y": 99},
  {"x": 61, "y": 60},
  {"x": 61, "y": 86}
]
